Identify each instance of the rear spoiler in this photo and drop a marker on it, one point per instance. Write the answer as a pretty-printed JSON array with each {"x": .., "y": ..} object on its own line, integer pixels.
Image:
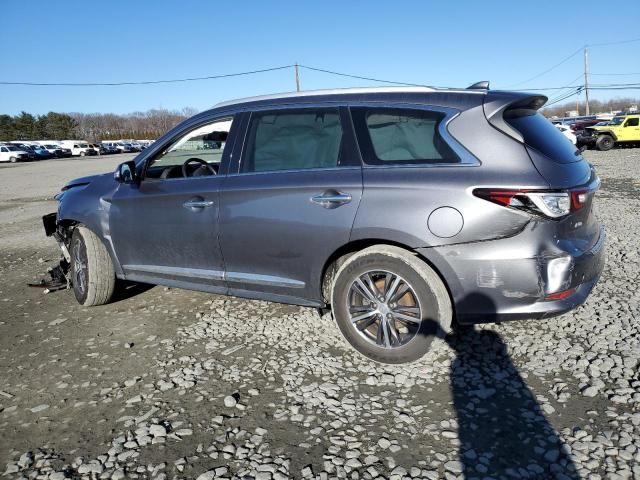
[{"x": 498, "y": 105}]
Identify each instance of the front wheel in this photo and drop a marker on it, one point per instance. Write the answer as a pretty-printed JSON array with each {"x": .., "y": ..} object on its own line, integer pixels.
[
  {"x": 604, "y": 143},
  {"x": 13, "y": 159},
  {"x": 92, "y": 274},
  {"x": 389, "y": 304}
]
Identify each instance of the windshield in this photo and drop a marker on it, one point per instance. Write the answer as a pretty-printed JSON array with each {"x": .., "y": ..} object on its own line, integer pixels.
[
  {"x": 50, "y": 146},
  {"x": 616, "y": 121}
]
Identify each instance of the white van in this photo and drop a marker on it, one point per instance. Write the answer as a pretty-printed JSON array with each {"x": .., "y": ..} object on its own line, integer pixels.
[{"x": 78, "y": 147}]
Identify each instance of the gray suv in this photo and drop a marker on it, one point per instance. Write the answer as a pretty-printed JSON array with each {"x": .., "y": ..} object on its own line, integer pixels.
[{"x": 403, "y": 210}]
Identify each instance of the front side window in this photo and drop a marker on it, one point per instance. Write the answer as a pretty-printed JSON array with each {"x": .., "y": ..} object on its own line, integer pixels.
[
  {"x": 196, "y": 153},
  {"x": 632, "y": 122},
  {"x": 293, "y": 140},
  {"x": 389, "y": 136}
]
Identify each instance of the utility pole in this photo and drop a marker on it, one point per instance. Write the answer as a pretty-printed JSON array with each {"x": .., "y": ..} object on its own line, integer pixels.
[
  {"x": 586, "y": 80},
  {"x": 297, "y": 78}
]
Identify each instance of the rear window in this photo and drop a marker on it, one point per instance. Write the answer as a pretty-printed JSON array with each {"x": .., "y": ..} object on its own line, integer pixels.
[
  {"x": 293, "y": 140},
  {"x": 541, "y": 134},
  {"x": 390, "y": 136}
]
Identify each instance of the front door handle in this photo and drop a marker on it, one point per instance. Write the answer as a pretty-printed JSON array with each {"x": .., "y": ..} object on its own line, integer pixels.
[
  {"x": 198, "y": 204},
  {"x": 331, "y": 199}
]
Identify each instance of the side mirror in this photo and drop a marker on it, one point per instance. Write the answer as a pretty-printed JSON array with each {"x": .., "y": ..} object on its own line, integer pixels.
[{"x": 126, "y": 173}]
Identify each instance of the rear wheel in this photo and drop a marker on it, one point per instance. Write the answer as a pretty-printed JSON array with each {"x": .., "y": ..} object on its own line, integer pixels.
[
  {"x": 389, "y": 304},
  {"x": 604, "y": 143},
  {"x": 92, "y": 273}
]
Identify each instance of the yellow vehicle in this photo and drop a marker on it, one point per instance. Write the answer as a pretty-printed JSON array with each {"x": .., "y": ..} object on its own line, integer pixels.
[{"x": 621, "y": 130}]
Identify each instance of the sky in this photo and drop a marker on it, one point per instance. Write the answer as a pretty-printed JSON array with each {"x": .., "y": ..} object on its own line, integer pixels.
[{"x": 453, "y": 43}]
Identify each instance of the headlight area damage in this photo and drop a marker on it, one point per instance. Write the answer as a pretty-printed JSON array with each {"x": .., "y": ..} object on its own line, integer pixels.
[{"x": 59, "y": 280}]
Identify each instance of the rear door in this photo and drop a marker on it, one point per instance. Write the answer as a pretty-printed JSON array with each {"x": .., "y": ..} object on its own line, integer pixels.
[{"x": 290, "y": 204}]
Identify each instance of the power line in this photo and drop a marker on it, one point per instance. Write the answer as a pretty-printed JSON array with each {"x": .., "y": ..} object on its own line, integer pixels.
[
  {"x": 548, "y": 69},
  {"x": 604, "y": 44},
  {"x": 620, "y": 42},
  {"x": 362, "y": 78},
  {"x": 613, "y": 74},
  {"x": 145, "y": 82},
  {"x": 565, "y": 97}
]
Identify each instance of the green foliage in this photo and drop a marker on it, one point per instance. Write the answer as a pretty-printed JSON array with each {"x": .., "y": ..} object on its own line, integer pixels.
[{"x": 29, "y": 127}]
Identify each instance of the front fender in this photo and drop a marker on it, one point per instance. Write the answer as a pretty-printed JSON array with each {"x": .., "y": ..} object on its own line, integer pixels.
[
  {"x": 611, "y": 133},
  {"x": 90, "y": 205}
]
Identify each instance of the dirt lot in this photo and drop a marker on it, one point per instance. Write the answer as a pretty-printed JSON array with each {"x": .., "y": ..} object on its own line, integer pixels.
[{"x": 165, "y": 383}]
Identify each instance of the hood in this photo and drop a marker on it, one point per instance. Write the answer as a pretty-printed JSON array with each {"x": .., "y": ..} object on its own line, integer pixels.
[{"x": 79, "y": 182}]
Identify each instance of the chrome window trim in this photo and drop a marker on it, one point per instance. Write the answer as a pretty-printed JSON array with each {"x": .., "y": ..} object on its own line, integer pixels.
[
  {"x": 266, "y": 280},
  {"x": 337, "y": 92},
  {"x": 176, "y": 271},
  {"x": 297, "y": 170}
]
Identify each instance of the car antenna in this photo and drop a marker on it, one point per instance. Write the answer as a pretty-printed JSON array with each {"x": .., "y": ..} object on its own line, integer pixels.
[{"x": 483, "y": 85}]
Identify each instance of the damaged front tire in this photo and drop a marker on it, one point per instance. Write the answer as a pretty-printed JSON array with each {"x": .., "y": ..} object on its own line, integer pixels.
[{"x": 92, "y": 274}]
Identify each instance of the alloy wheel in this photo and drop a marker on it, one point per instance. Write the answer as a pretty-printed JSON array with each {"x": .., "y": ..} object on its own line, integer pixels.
[
  {"x": 80, "y": 267},
  {"x": 384, "y": 309}
]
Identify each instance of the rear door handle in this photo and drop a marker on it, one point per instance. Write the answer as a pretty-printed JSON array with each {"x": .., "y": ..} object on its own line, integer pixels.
[
  {"x": 331, "y": 199},
  {"x": 198, "y": 204}
]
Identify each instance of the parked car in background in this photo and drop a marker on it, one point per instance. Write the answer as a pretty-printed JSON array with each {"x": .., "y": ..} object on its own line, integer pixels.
[
  {"x": 621, "y": 130},
  {"x": 98, "y": 148},
  {"x": 11, "y": 153},
  {"x": 124, "y": 147},
  {"x": 111, "y": 147},
  {"x": 400, "y": 209},
  {"x": 57, "y": 150},
  {"x": 41, "y": 152},
  {"x": 567, "y": 132},
  {"x": 78, "y": 148},
  {"x": 24, "y": 147},
  {"x": 580, "y": 125}
]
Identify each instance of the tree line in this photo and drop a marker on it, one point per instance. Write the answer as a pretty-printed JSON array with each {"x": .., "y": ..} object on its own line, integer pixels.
[
  {"x": 595, "y": 106},
  {"x": 91, "y": 126}
]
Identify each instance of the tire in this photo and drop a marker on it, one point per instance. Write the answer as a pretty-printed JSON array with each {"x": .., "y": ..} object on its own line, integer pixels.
[
  {"x": 82, "y": 154},
  {"x": 92, "y": 273},
  {"x": 13, "y": 159},
  {"x": 604, "y": 143},
  {"x": 426, "y": 301}
]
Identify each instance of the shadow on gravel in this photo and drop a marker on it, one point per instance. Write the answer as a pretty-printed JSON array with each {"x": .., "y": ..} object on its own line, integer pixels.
[
  {"x": 501, "y": 427},
  {"x": 126, "y": 290}
]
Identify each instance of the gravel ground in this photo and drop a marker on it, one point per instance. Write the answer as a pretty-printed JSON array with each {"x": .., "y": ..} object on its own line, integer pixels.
[{"x": 165, "y": 383}]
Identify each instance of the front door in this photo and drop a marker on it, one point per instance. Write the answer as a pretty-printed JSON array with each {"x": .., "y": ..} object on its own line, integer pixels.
[
  {"x": 630, "y": 130},
  {"x": 165, "y": 230},
  {"x": 290, "y": 204}
]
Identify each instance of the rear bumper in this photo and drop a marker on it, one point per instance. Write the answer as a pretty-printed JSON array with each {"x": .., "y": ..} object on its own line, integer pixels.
[{"x": 491, "y": 282}]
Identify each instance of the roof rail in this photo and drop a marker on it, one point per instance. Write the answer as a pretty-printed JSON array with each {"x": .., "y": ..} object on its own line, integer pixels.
[{"x": 483, "y": 85}]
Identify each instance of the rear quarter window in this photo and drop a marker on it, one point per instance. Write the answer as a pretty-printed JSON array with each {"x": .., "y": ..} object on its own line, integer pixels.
[
  {"x": 541, "y": 134},
  {"x": 390, "y": 136}
]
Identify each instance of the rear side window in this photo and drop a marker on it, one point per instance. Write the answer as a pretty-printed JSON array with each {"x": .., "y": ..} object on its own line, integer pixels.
[
  {"x": 540, "y": 133},
  {"x": 293, "y": 140},
  {"x": 389, "y": 136}
]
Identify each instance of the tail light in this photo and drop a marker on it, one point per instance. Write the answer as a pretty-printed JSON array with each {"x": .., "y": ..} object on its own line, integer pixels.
[{"x": 551, "y": 204}]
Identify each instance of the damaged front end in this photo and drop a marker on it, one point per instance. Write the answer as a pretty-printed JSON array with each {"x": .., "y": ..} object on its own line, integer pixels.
[{"x": 59, "y": 274}]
